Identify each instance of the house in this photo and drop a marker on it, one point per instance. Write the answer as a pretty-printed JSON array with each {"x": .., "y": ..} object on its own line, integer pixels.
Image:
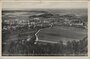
[
  {"x": 45, "y": 21},
  {"x": 6, "y": 21},
  {"x": 76, "y": 22}
]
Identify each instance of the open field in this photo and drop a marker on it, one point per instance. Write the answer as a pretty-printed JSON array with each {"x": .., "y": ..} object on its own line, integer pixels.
[{"x": 63, "y": 33}]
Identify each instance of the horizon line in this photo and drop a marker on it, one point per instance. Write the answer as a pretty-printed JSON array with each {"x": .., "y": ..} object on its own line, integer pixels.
[{"x": 38, "y": 8}]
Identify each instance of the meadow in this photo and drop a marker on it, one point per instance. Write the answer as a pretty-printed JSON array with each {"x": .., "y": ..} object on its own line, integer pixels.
[{"x": 63, "y": 33}]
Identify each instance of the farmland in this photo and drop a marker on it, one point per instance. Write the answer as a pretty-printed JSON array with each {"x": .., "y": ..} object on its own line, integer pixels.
[{"x": 63, "y": 33}]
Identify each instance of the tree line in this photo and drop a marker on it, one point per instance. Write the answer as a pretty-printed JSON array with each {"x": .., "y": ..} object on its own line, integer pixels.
[{"x": 74, "y": 48}]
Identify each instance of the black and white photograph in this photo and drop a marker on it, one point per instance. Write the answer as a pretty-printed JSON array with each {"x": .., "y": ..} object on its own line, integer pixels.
[{"x": 45, "y": 29}]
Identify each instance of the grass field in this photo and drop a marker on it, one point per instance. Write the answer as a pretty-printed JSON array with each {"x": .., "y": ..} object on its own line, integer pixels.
[{"x": 63, "y": 33}]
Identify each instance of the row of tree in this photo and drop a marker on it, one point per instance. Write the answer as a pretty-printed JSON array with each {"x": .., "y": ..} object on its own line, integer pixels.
[{"x": 71, "y": 48}]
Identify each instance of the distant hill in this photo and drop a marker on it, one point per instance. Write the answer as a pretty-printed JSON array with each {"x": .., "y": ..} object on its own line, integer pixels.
[
  {"x": 54, "y": 11},
  {"x": 45, "y": 13}
]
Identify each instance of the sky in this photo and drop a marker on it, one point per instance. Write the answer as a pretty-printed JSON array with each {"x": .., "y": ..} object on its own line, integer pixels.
[{"x": 31, "y": 5}]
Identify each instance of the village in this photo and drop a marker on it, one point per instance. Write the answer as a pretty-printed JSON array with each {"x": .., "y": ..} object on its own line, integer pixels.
[{"x": 40, "y": 20}]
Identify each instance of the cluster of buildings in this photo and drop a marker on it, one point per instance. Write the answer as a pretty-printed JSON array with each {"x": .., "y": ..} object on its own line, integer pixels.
[
  {"x": 38, "y": 20},
  {"x": 18, "y": 22},
  {"x": 74, "y": 20}
]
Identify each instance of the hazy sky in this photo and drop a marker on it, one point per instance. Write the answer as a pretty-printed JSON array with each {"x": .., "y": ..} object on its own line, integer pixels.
[{"x": 30, "y": 5}]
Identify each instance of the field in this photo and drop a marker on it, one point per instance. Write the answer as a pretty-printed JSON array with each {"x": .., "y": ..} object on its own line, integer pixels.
[{"x": 63, "y": 33}]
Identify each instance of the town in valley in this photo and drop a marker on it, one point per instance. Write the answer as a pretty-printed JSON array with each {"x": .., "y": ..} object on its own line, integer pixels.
[{"x": 45, "y": 32}]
